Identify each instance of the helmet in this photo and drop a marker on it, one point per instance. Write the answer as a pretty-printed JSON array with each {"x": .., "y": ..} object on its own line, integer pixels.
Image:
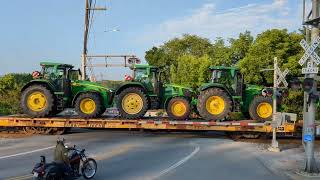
[{"x": 60, "y": 140}]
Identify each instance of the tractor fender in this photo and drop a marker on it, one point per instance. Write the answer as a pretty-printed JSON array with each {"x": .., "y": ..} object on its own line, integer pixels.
[
  {"x": 205, "y": 87},
  {"x": 130, "y": 84},
  {"x": 36, "y": 82}
]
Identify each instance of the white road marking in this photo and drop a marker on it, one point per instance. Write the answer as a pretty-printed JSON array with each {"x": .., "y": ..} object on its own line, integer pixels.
[
  {"x": 24, "y": 153},
  {"x": 179, "y": 163}
]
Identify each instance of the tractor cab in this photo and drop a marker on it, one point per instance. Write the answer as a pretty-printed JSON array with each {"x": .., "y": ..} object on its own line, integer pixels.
[
  {"x": 229, "y": 77},
  {"x": 226, "y": 93},
  {"x": 149, "y": 76},
  {"x": 60, "y": 75}
]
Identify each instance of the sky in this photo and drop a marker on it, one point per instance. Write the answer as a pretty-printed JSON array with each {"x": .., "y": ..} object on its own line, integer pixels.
[{"x": 52, "y": 30}]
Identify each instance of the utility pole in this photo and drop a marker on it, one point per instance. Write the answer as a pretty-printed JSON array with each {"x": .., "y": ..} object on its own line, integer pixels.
[
  {"x": 310, "y": 86},
  {"x": 85, "y": 41},
  {"x": 88, "y": 9}
]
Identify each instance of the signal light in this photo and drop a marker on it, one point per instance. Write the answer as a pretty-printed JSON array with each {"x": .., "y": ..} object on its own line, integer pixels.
[
  {"x": 134, "y": 60},
  {"x": 308, "y": 84},
  {"x": 295, "y": 84}
]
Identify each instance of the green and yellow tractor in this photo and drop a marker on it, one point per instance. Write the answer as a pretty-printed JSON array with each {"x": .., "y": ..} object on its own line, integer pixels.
[
  {"x": 57, "y": 87},
  {"x": 145, "y": 91},
  {"x": 226, "y": 93}
]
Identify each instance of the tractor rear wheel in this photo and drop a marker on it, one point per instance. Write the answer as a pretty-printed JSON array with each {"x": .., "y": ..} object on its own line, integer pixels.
[
  {"x": 178, "y": 108},
  {"x": 37, "y": 101},
  {"x": 132, "y": 103},
  {"x": 214, "y": 104},
  {"x": 261, "y": 108},
  {"x": 88, "y": 105}
]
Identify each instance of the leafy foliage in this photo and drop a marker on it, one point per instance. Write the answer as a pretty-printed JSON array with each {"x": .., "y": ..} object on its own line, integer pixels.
[
  {"x": 269, "y": 44},
  {"x": 190, "y": 56},
  {"x": 10, "y": 86}
]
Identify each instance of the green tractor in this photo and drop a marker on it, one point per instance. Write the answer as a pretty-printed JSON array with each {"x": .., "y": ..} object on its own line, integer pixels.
[
  {"x": 57, "y": 87},
  {"x": 145, "y": 91},
  {"x": 227, "y": 93}
]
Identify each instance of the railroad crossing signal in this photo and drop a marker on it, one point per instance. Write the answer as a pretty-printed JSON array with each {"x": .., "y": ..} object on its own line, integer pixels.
[
  {"x": 281, "y": 77},
  {"x": 310, "y": 53}
]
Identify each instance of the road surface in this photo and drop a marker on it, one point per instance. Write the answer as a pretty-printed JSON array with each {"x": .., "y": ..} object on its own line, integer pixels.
[{"x": 137, "y": 155}]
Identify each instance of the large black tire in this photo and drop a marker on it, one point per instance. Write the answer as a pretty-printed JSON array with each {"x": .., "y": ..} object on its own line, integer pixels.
[
  {"x": 49, "y": 101},
  {"x": 265, "y": 114},
  {"x": 178, "y": 108},
  {"x": 84, "y": 167},
  {"x": 91, "y": 111},
  {"x": 122, "y": 97},
  {"x": 202, "y": 104}
]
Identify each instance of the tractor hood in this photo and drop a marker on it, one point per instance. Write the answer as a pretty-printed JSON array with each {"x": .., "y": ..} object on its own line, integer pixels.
[
  {"x": 178, "y": 90},
  {"x": 91, "y": 85},
  {"x": 254, "y": 87}
]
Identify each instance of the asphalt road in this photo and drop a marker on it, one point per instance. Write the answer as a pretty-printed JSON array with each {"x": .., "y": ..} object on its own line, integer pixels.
[{"x": 136, "y": 155}]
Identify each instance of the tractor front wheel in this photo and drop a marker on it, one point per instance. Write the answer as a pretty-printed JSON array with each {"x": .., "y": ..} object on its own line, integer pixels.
[
  {"x": 261, "y": 108},
  {"x": 214, "y": 104},
  {"x": 88, "y": 105},
  {"x": 37, "y": 101},
  {"x": 178, "y": 108},
  {"x": 132, "y": 103}
]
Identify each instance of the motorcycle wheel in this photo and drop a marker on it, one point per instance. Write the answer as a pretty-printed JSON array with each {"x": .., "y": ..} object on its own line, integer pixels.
[
  {"x": 51, "y": 177},
  {"x": 89, "y": 168}
]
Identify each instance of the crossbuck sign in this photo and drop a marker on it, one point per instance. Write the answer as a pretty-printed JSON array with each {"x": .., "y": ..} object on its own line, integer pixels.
[
  {"x": 310, "y": 53},
  {"x": 281, "y": 77}
]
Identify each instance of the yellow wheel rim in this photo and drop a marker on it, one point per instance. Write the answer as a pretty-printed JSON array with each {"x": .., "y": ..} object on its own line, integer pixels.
[
  {"x": 37, "y": 101},
  {"x": 132, "y": 103},
  {"x": 215, "y": 105},
  {"x": 264, "y": 110},
  {"x": 178, "y": 108},
  {"x": 87, "y": 106}
]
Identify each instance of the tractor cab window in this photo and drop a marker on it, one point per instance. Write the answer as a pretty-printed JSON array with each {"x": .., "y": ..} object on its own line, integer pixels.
[
  {"x": 140, "y": 74},
  {"x": 154, "y": 77},
  {"x": 61, "y": 73},
  {"x": 74, "y": 75},
  {"x": 221, "y": 77},
  {"x": 48, "y": 72}
]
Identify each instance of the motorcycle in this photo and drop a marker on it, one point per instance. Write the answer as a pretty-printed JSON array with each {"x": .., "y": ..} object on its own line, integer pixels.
[{"x": 80, "y": 164}]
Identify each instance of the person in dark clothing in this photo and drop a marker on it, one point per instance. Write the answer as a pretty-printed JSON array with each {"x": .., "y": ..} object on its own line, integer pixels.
[{"x": 61, "y": 156}]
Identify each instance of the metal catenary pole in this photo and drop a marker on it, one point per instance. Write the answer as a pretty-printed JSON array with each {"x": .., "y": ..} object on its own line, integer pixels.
[{"x": 310, "y": 106}]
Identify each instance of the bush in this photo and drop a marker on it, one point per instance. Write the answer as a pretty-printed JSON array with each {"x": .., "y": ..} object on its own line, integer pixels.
[
  {"x": 10, "y": 86},
  {"x": 294, "y": 104}
]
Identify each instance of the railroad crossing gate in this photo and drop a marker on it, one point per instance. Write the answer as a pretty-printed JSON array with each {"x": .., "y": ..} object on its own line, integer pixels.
[{"x": 310, "y": 54}]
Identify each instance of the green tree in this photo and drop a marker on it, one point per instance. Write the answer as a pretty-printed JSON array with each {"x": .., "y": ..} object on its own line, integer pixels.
[
  {"x": 170, "y": 53},
  {"x": 10, "y": 86},
  {"x": 220, "y": 53},
  {"x": 191, "y": 71},
  {"x": 240, "y": 47},
  {"x": 270, "y": 44}
]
